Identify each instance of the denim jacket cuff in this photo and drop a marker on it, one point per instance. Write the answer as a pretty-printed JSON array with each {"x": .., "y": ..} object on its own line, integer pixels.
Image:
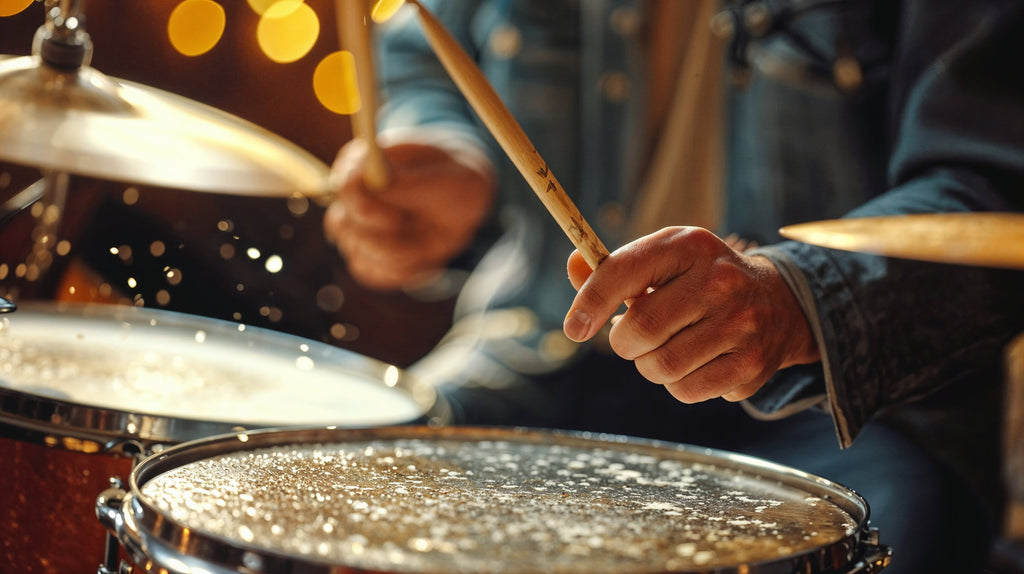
[{"x": 800, "y": 387}]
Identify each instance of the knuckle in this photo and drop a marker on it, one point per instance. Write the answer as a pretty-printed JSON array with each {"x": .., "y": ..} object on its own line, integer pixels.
[
  {"x": 742, "y": 392},
  {"x": 744, "y": 324},
  {"x": 593, "y": 297},
  {"x": 661, "y": 367},
  {"x": 365, "y": 274},
  {"x": 691, "y": 390},
  {"x": 644, "y": 321},
  {"x": 620, "y": 344},
  {"x": 725, "y": 277},
  {"x": 744, "y": 367},
  {"x": 697, "y": 238}
]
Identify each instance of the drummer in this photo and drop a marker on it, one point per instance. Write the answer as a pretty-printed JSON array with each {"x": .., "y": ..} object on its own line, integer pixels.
[{"x": 885, "y": 108}]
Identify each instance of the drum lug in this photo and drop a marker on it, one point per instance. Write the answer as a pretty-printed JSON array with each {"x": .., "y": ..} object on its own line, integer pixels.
[
  {"x": 109, "y": 502},
  {"x": 877, "y": 556},
  {"x": 108, "y": 511}
]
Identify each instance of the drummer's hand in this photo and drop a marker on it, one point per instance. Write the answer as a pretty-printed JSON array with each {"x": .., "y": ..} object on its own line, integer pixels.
[
  {"x": 404, "y": 234},
  {"x": 716, "y": 324}
]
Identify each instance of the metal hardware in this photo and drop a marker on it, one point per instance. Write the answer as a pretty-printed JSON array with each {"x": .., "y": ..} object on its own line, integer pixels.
[{"x": 108, "y": 511}]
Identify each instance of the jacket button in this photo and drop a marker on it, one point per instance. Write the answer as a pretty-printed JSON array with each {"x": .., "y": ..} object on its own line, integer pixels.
[{"x": 506, "y": 42}]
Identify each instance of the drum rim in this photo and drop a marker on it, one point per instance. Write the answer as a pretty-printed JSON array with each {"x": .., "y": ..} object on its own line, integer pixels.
[
  {"x": 87, "y": 427},
  {"x": 146, "y": 526}
]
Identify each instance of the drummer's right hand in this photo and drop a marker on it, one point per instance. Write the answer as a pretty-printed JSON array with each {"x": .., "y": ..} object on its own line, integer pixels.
[{"x": 402, "y": 235}]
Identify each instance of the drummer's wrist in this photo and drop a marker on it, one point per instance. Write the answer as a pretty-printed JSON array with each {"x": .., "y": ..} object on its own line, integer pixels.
[{"x": 801, "y": 344}]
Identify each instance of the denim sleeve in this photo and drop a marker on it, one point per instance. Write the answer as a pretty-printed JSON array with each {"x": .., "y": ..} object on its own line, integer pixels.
[
  {"x": 893, "y": 330},
  {"x": 416, "y": 90}
]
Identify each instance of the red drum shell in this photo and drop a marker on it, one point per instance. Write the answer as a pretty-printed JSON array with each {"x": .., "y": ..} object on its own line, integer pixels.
[{"x": 48, "y": 497}]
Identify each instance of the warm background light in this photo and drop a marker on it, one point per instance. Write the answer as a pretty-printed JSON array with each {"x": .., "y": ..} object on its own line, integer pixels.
[
  {"x": 195, "y": 26},
  {"x": 12, "y": 7},
  {"x": 383, "y": 10},
  {"x": 261, "y": 6},
  {"x": 287, "y": 31},
  {"x": 335, "y": 85}
]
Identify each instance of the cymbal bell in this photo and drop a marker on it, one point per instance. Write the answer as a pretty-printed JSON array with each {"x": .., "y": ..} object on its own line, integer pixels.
[
  {"x": 989, "y": 239},
  {"x": 82, "y": 122}
]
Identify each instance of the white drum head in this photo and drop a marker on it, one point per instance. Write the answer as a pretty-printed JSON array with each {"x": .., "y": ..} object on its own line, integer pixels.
[
  {"x": 417, "y": 499},
  {"x": 171, "y": 369}
]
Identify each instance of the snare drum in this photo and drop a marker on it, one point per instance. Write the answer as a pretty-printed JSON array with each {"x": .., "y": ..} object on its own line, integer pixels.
[
  {"x": 465, "y": 499},
  {"x": 84, "y": 388}
]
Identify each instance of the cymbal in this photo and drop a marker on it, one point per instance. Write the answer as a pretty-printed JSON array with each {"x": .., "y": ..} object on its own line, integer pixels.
[
  {"x": 86, "y": 123},
  {"x": 989, "y": 239}
]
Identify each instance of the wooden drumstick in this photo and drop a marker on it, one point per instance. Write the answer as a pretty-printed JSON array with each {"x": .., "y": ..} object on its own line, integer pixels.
[
  {"x": 354, "y": 34},
  {"x": 510, "y": 135}
]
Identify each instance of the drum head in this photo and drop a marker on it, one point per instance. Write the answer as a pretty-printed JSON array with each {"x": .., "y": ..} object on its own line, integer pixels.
[
  {"x": 420, "y": 499},
  {"x": 93, "y": 371}
]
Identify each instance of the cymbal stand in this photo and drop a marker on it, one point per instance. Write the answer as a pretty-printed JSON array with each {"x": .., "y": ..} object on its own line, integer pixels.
[
  {"x": 1013, "y": 465},
  {"x": 61, "y": 43}
]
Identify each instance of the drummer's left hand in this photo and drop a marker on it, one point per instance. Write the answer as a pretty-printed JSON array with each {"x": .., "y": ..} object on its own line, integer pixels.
[{"x": 715, "y": 323}]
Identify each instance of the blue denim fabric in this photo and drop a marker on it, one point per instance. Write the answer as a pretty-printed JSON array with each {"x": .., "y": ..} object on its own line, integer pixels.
[
  {"x": 548, "y": 85},
  {"x": 951, "y": 125},
  {"x": 938, "y": 125}
]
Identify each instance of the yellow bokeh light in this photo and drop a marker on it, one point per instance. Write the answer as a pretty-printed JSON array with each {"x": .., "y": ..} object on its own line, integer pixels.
[
  {"x": 195, "y": 26},
  {"x": 12, "y": 7},
  {"x": 261, "y": 6},
  {"x": 335, "y": 85},
  {"x": 383, "y": 10},
  {"x": 287, "y": 31}
]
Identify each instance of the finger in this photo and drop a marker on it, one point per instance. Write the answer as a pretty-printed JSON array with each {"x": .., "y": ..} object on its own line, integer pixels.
[
  {"x": 658, "y": 315},
  {"x": 590, "y": 309},
  {"x": 714, "y": 379},
  {"x": 365, "y": 208},
  {"x": 411, "y": 153},
  {"x": 650, "y": 262},
  {"x": 600, "y": 295},
  {"x": 383, "y": 248},
  {"x": 632, "y": 270},
  {"x": 354, "y": 202},
  {"x": 733, "y": 375},
  {"x": 743, "y": 392},
  {"x": 684, "y": 353},
  {"x": 383, "y": 278},
  {"x": 333, "y": 216},
  {"x": 348, "y": 163},
  {"x": 417, "y": 189},
  {"x": 407, "y": 163},
  {"x": 578, "y": 269},
  {"x": 385, "y": 264},
  {"x": 388, "y": 279}
]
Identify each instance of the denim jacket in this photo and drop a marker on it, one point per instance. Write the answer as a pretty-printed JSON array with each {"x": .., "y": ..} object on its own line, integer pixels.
[{"x": 936, "y": 123}]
